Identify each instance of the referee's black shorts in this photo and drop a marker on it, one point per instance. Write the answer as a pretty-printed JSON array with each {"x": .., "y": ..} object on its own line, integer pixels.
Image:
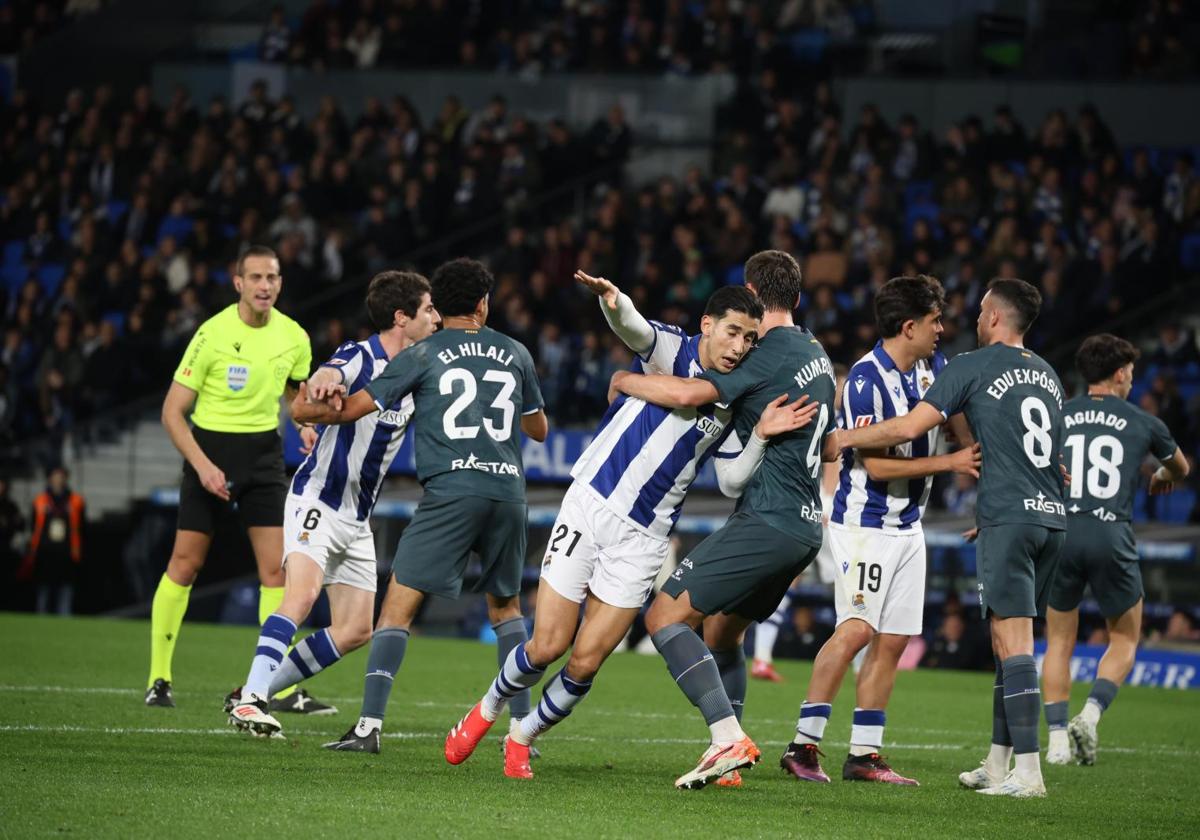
[{"x": 253, "y": 464}]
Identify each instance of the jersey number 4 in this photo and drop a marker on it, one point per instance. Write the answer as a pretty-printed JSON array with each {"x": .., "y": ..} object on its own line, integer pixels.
[{"x": 500, "y": 430}]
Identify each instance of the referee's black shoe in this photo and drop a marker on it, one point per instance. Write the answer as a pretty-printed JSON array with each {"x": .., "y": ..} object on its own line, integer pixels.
[
  {"x": 300, "y": 702},
  {"x": 159, "y": 694}
]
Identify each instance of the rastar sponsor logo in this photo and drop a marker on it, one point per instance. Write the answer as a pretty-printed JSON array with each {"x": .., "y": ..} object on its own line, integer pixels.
[
  {"x": 493, "y": 467},
  {"x": 1040, "y": 504}
]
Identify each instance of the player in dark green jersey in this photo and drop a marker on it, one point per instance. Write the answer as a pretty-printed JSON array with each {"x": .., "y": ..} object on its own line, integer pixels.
[
  {"x": 1107, "y": 440},
  {"x": 1013, "y": 402},
  {"x": 739, "y": 573},
  {"x": 474, "y": 390}
]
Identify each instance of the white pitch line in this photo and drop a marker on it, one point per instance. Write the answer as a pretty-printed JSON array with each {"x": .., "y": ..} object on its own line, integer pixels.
[
  {"x": 434, "y": 704},
  {"x": 1154, "y": 749},
  {"x": 409, "y": 736}
]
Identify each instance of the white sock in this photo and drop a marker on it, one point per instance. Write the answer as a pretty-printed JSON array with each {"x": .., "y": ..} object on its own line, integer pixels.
[
  {"x": 810, "y": 728},
  {"x": 1091, "y": 712},
  {"x": 1058, "y": 738},
  {"x": 1029, "y": 765},
  {"x": 366, "y": 724},
  {"x": 764, "y": 640},
  {"x": 860, "y": 749},
  {"x": 997, "y": 760},
  {"x": 726, "y": 731}
]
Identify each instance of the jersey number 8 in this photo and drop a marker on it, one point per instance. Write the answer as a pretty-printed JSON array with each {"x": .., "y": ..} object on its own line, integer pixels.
[
  {"x": 1036, "y": 440},
  {"x": 499, "y": 431}
]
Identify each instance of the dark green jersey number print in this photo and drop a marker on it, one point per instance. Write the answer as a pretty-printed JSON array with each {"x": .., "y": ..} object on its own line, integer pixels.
[
  {"x": 1107, "y": 439},
  {"x": 786, "y": 489},
  {"x": 1013, "y": 402},
  {"x": 470, "y": 389}
]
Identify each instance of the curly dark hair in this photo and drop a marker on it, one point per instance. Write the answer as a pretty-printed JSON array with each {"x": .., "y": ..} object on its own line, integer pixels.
[
  {"x": 459, "y": 285},
  {"x": 907, "y": 299},
  {"x": 1100, "y": 356},
  {"x": 392, "y": 290}
]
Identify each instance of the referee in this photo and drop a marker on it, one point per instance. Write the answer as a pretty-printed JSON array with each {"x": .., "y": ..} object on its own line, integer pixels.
[{"x": 235, "y": 369}]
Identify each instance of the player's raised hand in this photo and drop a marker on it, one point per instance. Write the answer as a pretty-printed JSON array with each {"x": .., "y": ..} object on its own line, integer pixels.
[
  {"x": 603, "y": 288},
  {"x": 308, "y": 439},
  {"x": 778, "y": 418},
  {"x": 212, "y": 479},
  {"x": 967, "y": 460}
]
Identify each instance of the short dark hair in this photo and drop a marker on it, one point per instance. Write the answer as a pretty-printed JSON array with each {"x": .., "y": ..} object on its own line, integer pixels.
[
  {"x": 1100, "y": 356},
  {"x": 776, "y": 278},
  {"x": 1022, "y": 298},
  {"x": 392, "y": 290},
  {"x": 459, "y": 285},
  {"x": 907, "y": 299},
  {"x": 254, "y": 251},
  {"x": 733, "y": 299}
]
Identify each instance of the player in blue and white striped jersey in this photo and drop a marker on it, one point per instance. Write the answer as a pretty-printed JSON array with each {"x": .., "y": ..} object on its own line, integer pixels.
[
  {"x": 610, "y": 538},
  {"x": 327, "y": 533},
  {"x": 875, "y": 529}
]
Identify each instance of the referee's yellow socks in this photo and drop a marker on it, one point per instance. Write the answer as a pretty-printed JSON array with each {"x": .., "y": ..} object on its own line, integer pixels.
[
  {"x": 166, "y": 617},
  {"x": 269, "y": 599}
]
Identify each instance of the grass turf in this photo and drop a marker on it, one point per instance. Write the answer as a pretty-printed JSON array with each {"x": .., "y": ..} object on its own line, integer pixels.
[{"x": 81, "y": 754}]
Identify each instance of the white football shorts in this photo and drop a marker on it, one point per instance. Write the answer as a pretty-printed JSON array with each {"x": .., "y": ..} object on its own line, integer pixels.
[
  {"x": 593, "y": 549},
  {"x": 344, "y": 549},
  {"x": 879, "y": 578}
]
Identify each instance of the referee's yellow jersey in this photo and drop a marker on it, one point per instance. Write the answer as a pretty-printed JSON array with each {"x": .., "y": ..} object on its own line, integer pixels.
[{"x": 239, "y": 372}]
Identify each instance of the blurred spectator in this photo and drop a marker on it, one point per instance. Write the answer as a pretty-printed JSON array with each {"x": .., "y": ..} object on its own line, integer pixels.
[{"x": 55, "y": 544}]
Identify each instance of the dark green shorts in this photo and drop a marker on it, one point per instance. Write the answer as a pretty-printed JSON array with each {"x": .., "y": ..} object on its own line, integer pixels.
[
  {"x": 1014, "y": 566},
  {"x": 1104, "y": 555},
  {"x": 434, "y": 548},
  {"x": 745, "y": 568}
]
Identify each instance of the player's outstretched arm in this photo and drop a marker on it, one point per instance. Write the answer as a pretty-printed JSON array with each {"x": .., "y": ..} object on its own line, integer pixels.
[
  {"x": 535, "y": 425},
  {"x": 892, "y": 432},
  {"x": 622, "y": 316},
  {"x": 667, "y": 391},
  {"x": 779, "y": 417},
  {"x": 883, "y": 467},
  {"x": 357, "y": 405},
  {"x": 1173, "y": 469}
]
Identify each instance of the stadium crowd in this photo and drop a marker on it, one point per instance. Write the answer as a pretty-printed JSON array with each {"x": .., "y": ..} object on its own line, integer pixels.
[
  {"x": 121, "y": 216},
  {"x": 1154, "y": 39}
]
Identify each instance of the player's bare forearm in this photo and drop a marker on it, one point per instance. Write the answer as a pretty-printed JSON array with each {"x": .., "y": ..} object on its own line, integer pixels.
[
  {"x": 667, "y": 391},
  {"x": 536, "y": 425},
  {"x": 357, "y": 405},
  {"x": 892, "y": 432},
  {"x": 316, "y": 413},
  {"x": 883, "y": 467},
  {"x": 961, "y": 429}
]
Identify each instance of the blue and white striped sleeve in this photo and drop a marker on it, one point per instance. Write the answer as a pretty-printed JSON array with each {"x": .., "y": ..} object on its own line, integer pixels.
[
  {"x": 664, "y": 352},
  {"x": 347, "y": 360},
  {"x": 862, "y": 402}
]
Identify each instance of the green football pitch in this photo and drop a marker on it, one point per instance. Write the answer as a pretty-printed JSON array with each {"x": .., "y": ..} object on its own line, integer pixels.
[{"x": 81, "y": 756}]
